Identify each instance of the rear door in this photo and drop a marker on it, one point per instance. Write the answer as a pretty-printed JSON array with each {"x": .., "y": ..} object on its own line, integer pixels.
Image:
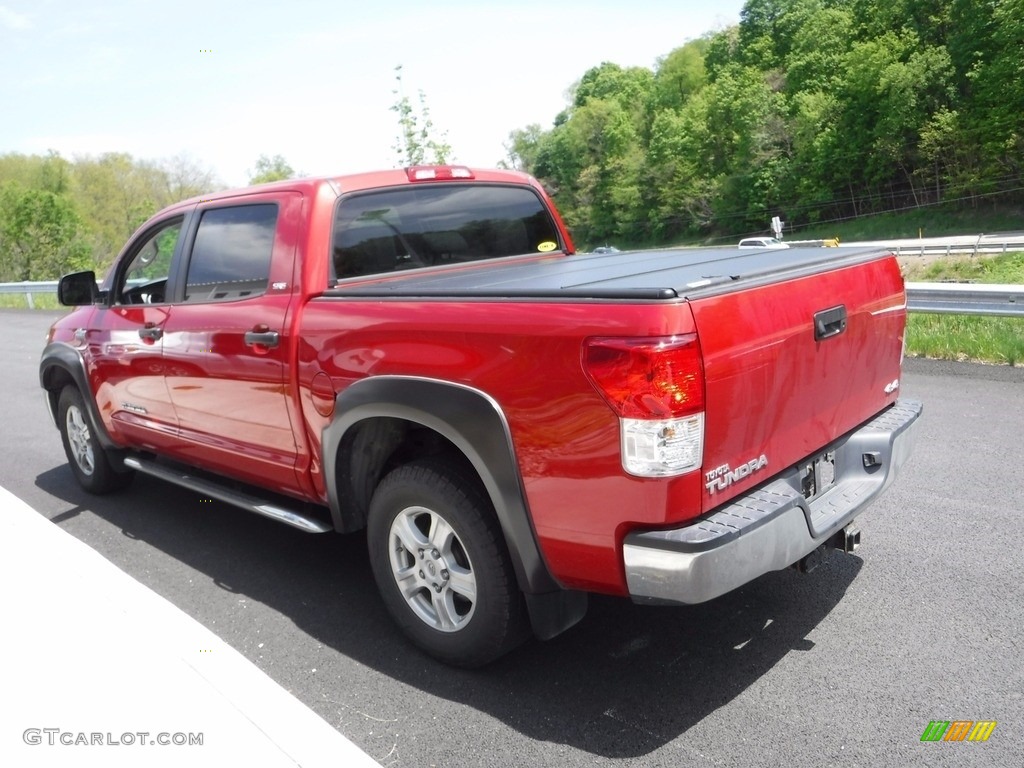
[{"x": 226, "y": 342}]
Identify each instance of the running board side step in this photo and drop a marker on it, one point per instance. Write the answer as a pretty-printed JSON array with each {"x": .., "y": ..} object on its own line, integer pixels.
[{"x": 228, "y": 495}]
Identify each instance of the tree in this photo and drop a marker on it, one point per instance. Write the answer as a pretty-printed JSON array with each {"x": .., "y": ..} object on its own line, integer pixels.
[
  {"x": 417, "y": 143},
  {"x": 185, "y": 178},
  {"x": 683, "y": 191},
  {"x": 970, "y": 43},
  {"x": 680, "y": 75},
  {"x": 50, "y": 171},
  {"x": 816, "y": 50},
  {"x": 274, "y": 168},
  {"x": 999, "y": 87},
  {"x": 40, "y": 235},
  {"x": 722, "y": 50},
  {"x": 816, "y": 109},
  {"x": 610, "y": 82},
  {"x": 109, "y": 195},
  {"x": 759, "y": 31},
  {"x": 891, "y": 88},
  {"x": 819, "y": 171},
  {"x": 522, "y": 147},
  {"x": 950, "y": 161},
  {"x": 115, "y": 194}
]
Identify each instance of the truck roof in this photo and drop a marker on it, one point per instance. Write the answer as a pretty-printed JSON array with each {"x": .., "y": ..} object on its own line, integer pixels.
[{"x": 367, "y": 180}]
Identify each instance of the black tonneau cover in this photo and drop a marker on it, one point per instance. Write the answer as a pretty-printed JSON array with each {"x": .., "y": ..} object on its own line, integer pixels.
[{"x": 636, "y": 275}]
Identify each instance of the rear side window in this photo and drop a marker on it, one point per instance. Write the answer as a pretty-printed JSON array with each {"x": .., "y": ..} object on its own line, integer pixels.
[
  {"x": 231, "y": 254},
  {"x": 422, "y": 226}
]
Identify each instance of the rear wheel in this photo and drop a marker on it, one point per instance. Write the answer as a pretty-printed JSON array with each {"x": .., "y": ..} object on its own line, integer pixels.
[
  {"x": 441, "y": 565},
  {"x": 89, "y": 461}
]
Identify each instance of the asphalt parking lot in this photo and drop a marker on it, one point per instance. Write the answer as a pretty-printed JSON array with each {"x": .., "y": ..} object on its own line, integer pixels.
[{"x": 847, "y": 665}]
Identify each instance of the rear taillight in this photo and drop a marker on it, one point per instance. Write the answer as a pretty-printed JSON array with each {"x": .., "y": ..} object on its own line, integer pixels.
[
  {"x": 648, "y": 378},
  {"x": 656, "y": 386}
]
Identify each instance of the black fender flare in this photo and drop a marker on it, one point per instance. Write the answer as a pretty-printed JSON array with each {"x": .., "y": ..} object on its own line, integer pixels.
[
  {"x": 60, "y": 357},
  {"x": 473, "y": 422}
]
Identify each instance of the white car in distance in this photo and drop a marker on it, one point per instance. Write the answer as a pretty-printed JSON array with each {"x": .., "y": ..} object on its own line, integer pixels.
[{"x": 762, "y": 243}]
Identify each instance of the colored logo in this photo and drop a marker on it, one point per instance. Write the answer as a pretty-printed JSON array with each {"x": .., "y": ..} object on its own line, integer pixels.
[{"x": 958, "y": 730}]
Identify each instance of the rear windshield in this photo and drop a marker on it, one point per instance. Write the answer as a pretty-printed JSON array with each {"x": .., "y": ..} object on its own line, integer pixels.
[{"x": 423, "y": 226}]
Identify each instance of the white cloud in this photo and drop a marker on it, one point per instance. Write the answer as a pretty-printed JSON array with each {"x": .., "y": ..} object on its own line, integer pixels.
[{"x": 13, "y": 20}]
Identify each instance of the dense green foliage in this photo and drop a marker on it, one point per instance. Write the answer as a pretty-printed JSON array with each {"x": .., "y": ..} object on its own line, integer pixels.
[
  {"x": 274, "y": 168},
  {"x": 812, "y": 110},
  {"x": 58, "y": 216},
  {"x": 40, "y": 234}
]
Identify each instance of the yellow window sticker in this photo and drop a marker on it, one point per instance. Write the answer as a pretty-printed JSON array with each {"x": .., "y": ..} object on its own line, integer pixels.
[{"x": 546, "y": 246}]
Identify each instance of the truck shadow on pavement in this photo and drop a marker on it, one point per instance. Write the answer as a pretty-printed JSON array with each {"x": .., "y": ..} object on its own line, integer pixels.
[{"x": 623, "y": 683}]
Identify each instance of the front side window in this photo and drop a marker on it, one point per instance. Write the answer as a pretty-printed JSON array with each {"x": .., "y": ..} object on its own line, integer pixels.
[
  {"x": 231, "y": 253},
  {"x": 421, "y": 226},
  {"x": 144, "y": 279}
]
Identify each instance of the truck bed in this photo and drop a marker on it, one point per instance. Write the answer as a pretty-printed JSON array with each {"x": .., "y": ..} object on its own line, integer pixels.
[
  {"x": 776, "y": 387},
  {"x": 688, "y": 273}
]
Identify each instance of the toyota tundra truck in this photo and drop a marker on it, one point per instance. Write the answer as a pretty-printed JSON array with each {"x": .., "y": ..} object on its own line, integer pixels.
[{"x": 422, "y": 355}]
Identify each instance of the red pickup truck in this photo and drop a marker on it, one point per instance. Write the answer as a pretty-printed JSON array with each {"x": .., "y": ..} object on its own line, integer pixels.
[{"x": 421, "y": 354}]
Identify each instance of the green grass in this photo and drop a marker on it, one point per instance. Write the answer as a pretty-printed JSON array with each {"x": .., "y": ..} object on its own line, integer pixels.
[
  {"x": 1005, "y": 268},
  {"x": 963, "y": 337}
]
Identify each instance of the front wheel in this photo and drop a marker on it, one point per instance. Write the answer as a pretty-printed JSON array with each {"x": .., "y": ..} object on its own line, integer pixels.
[
  {"x": 441, "y": 565},
  {"x": 89, "y": 461}
]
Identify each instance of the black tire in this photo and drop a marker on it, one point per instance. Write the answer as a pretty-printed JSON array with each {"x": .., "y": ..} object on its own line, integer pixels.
[
  {"x": 441, "y": 564},
  {"x": 89, "y": 462}
]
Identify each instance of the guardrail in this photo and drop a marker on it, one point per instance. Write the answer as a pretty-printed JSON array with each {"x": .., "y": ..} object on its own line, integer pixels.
[
  {"x": 950, "y": 250},
  {"x": 966, "y": 299},
  {"x": 940, "y": 298},
  {"x": 972, "y": 245},
  {"x": 29, "y": 289}
]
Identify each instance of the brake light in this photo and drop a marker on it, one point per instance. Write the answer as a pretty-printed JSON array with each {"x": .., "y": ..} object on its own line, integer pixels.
[
  {"x": 438, "y": 172},
  {"x": 656, "y": 386},
  {"x": 648, "y": 378}
]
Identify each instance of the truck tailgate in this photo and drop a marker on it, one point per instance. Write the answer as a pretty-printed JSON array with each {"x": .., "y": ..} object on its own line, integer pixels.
[{"x": 791, "y": 365}]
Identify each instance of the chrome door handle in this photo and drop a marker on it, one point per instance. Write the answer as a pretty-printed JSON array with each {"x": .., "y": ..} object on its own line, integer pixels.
[{"x": 262, "y": 338}]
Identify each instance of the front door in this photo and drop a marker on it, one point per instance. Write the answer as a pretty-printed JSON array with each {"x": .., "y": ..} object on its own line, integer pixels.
[{"x": 126, "y": 343}]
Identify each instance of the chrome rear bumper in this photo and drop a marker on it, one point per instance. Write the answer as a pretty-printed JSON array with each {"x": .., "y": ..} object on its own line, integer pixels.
[{"x": 773, "y": 526}]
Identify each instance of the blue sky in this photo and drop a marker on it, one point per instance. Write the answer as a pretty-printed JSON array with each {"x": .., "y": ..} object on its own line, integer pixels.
[{"x": 223, "y": 82}]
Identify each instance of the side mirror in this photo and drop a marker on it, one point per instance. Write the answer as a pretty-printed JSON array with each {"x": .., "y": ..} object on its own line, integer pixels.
[{"x": 77, "y": 289}]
